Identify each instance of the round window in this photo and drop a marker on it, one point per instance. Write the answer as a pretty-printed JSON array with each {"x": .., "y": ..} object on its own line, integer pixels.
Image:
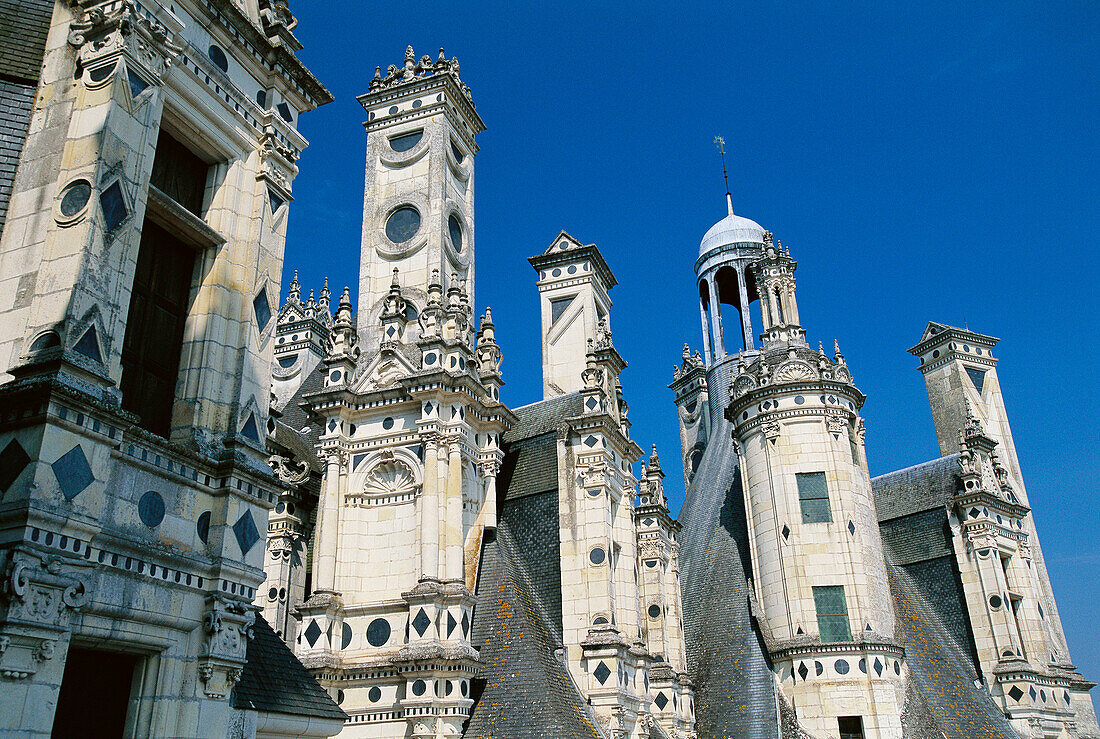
[
  {"x": 75, "y": 197},
  {"x": 402, "y": 224},
  {"x": 455, "y": 229}
]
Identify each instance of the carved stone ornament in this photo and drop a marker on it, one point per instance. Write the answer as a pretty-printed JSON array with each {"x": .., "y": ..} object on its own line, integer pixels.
[
  {"x": 744, "y": 384},
  {"x": 121, "y": 28},
  {"x": 390, "y": 477},
  {"x": 288, "y": 471},
  {"x": 228, "y": 625},
  {"x": 795, "y": 371},
  {"x": 38, "y": 594},
  {"x": 837, "y": 423},
  {"x": 770, "y": 430},
  {"x": 413, "y": 70}
]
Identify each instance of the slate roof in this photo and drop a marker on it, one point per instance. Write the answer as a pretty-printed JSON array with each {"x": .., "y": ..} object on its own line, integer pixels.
[
  {"x": 24, "y": 25},
  {"x": 914, "y": 489},
  {"x": 295, "y": 418},
  {"x": 23, "y": 28},
  {"x": 527, "y": 691},
  {"x": 734, "y": 689},
  {"x": 943, "y": 696},
  {"x": 274, "y": 681}
]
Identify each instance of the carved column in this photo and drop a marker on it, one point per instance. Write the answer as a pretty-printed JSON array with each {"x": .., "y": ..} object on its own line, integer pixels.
[
  {"x": 327, "y": 536},
  {"x": 454, "y": 511},
  {"x": 429, "y": 510},
  {"x": 716, "y": 319},
  {"x": 489, "y": 473},
  {"x": 746, "y": 315}
]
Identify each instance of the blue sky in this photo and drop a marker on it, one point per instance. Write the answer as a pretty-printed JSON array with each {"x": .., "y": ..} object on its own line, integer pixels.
[{"x": 923, "y": 161}]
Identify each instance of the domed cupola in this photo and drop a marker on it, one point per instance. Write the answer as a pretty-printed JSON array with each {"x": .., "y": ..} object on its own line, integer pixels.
[{"x": 733, "y": 229}]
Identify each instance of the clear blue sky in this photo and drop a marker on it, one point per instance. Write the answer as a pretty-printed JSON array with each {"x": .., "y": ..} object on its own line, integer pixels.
[{"x": 923, "y": 161}]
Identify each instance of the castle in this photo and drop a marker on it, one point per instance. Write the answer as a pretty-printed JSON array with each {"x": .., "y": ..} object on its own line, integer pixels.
[{"x": 224, "y": 514}]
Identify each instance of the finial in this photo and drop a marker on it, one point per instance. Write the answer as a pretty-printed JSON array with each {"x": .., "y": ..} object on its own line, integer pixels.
[
  {"x": 687, "y": 351},
  {"x": 487, "y": 319},
  {"x": 820, "y": 348},
  {"x": 442, "y": 56},
  {"x": 721, "y": 144},
  {"x": 311, "y": 300},
  {"x": 836, "y": 347},
  {"x": 378, "y": 72},
  {"x": 395, "y": 283}
]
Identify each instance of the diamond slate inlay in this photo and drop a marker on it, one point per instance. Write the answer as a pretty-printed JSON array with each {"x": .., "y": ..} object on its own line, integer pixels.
[
  {"x": 451, "y": 623},
  {"x": 13, "y": 460},
  {"x": 660, "y": 700},
  {"x": 246, "y": 533},
  {"x": 73, "y": 473},
  {"x": 803, "y": 671},
  {"x": 465, "y": 624},
  {"x": 313, "y": 632},
  {"x": 602, "y": 672},
  {"x": 421, "y": 622},
  {"x": 851, "y": 528}
]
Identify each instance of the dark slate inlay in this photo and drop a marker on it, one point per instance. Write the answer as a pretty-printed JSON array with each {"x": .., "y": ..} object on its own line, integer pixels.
[
  {"x": 73, "y": 473},
  {"x": 602, "y": 672},
  {"x": 421, "y": 622},
  {"x": 13, "y": 460},
  {"x": 151, "y": 509},
  {"x": 451, "y": 624},
  {"x": 262, "y": 306},
  {"x": 249, "y": 429},
  {"x": 246, "y": 533},
  {"x": 89, "y": 345},
  {"x": 137, "y": 84},
  {"x": 202, "y": 527},
  {"x": 419, "y": 687},
  {"x": 977, "y": 377},
  {"x": 345, "y": 636},
  {"x": 465, "y": 624},
  {"x": 275, "y": 199},
  {"x": 375, "y": 694},
  {"x": 842, "y": 666},
  {"x": 114, "y": 206},
  {"x": 378, "y": 632},
  {"x": 851, "y": 528},
  {"x": 661, "y": 701},
  {"x": 313, "y": 632}
]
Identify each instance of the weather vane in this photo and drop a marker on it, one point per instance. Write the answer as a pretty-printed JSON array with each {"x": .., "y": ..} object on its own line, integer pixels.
[{"x": 721, "y": 144}]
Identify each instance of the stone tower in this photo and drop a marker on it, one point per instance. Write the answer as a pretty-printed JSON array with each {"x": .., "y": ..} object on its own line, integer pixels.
[
  {"x": 818, "y": 568},
  {"x": 410, "y": 427},
  {"x": 689, "y": 382},
  {"x": 418, "y": 208},
  {"x": 1013, "y": 614},
  {"x": 574, "y": 281}
]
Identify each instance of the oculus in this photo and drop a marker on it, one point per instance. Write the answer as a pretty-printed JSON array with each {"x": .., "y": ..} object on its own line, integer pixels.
[
  {"x": 402, "y": 224},
  {"x": 455, "y": 230},
  {"x": 74, "y": 197}
]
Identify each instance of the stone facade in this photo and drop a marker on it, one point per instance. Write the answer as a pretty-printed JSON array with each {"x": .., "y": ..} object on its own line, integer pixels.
[{"x": 142, "y": 247}]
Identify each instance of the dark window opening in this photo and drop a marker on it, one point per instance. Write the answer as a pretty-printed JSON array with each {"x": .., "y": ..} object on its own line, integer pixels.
[
  {"x": 851, "y": 727},
  {"x": 154, "y": 327},
  {"x": 179, "y": 173},
  {"x": 95, "y": 694},
  {"x": 813, "y": 497},
  {"x": 558, "y": 307}
]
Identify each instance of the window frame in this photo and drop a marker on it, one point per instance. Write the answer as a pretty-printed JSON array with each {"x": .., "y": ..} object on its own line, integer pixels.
[
  {"x": 810, "y": 505},
  {"x": 820, "y": 593}
]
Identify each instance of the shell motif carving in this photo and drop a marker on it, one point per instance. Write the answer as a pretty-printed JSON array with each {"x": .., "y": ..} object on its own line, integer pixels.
[
  {"x": 391, "y": 477},
  {"x": 795, "y": 372},
  {"x": 743, "y": 385}
]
